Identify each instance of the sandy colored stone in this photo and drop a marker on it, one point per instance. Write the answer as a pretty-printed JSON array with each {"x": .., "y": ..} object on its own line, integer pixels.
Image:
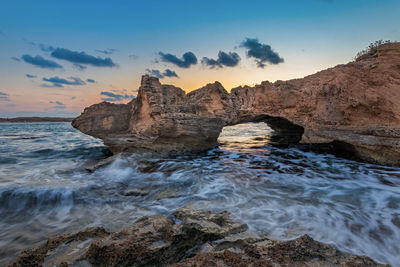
[{"x": 356, "y": 106}]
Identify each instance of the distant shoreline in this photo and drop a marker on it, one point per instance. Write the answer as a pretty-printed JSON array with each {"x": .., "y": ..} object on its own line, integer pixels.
[{"x": 34, "y": 119}]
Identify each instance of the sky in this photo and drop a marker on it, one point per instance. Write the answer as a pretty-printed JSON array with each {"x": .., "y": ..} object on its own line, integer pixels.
[{"x": 57, "y": 57}]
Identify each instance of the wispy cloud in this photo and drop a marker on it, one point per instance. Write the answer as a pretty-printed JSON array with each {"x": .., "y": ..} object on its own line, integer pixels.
[
  {"x": 58, "y": 105},
  {"x": 160, "y": 75},
  {"x": 16, "y": 59},
  {"x": 79, "y": 67},
  {"x": 186, "y": 61},
  {"x": 43, "y": 47},
  {"x": 82, "y": 58},
  {"x": 108, "y": 51},
  {"x": 91, "y": 81},
  {"x": 230, "y": 59},
  {"x": 262, "y": 53},
  {"x": 41, "y": 62},
  {"x": 4, "y": 97},
  {"x": 116, "y": 96},
  {"x": 60, "y": 82},
  {"x": 133, "y": 57},
  {"x": 30, "y": 76}
]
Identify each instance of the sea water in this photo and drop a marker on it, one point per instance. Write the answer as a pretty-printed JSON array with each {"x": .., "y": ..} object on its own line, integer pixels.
[{"x": 281, "y": 193}]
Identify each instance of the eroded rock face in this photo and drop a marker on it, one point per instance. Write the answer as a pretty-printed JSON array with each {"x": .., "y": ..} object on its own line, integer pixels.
[
  {"x": 193, "y": 238},
  {"x": 357, "y": 104}
]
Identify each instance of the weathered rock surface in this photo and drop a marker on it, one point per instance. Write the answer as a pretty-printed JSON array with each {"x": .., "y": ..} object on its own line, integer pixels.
[
  {"x": 356, "y": 105},
  {"x": 199, "y": 238}
]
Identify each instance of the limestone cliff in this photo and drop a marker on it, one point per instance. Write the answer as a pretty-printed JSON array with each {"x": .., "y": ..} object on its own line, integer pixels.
[{"x": 357, "y": 105}]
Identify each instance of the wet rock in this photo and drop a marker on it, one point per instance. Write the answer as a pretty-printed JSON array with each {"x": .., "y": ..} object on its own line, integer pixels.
[
  {"x": 219, "y": 224},
  {"x": 104, "y": 162},
  {"x": 194, "y": 238},
  {"x": 135, "y": 192},
  {"x": 303, "y": 251},
  {"x": 356, "y": 104},
  {"x": 58, "y": 250}
]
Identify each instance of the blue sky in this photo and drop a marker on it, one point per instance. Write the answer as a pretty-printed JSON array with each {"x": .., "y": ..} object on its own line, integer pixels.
[{"x": 103, "y": 47}]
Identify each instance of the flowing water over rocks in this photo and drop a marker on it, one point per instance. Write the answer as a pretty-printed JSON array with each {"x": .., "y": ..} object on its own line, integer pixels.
[{"x": 280, "y": 193}]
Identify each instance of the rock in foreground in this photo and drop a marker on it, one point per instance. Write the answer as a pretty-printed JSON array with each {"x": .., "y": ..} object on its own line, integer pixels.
[
  {"x": 355, "y": 107},
  {"x": 191, "y": 238}
]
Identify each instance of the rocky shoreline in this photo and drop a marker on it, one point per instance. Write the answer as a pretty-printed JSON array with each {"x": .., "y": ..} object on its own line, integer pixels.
[
  {"x": 188, "y": 238},
  {"x": 353, "y": 107}
]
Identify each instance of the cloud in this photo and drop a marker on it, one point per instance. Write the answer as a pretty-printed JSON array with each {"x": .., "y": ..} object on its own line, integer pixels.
[
  {"x": 116, "y": 96},
  {"x": 187, "y": 59},
  {"x": 30, "y": 76},
  {"x": 230, "y": 59},
  {"x": 154, "y": 73},
  {"x": 44, "y": 48},
  {"x": 16, "y": 59},
  {"x": 4, "y": 97},
  {"x": 108, "y": 51},
  {"x": 73, "y": 97},
  {"x": 91, "y": 81},
  {"x": 58, "y": 105},
  {"x": 51, "y": 85},
  {"x": 79, "y": 67},
  {"x": 262, "y": 53},
  {"x": 60, "y": 82},
  {"x": 170, "y": 73},
  {"x": 40, "y": 62},
  {"x": 82, "y": 58},
  {"x": 158, "y": 74},
  {"x": 133, "y": 57}
]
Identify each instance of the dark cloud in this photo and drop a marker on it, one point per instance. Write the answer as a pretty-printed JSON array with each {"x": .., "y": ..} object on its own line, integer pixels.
[
  {"x": 133, "y": 57},
  {"x": 82, "y": 58},
  {"x": 4, "y": 97},
  {"x": 91, "y": 81},
  {"x": 41, "y": 62},
  {"x": 16, "y": 59},
  {"x": 58, "y": 105},
  {"x": 116, "y": 96},
  {"x": 30, "y": 76},
  {"x": 60, "y": 82},
  {"x": 230, "y": 59},
  {"x": 187, "y": 59},
  {"x": 73, "y": 97},
  {"x": 160, "y": 75},
  {"x": 262, "y": 53},
  {"x": 108, "y": 51},
  {"x": 155, "y": 73},
  {"x": 170, "y": 73}
]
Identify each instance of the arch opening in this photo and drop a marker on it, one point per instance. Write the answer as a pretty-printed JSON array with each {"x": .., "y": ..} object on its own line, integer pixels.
[{"x": 260, "y": 132}]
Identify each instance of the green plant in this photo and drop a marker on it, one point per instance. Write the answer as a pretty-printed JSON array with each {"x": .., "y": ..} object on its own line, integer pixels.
[{"x": 371, "y": 49}]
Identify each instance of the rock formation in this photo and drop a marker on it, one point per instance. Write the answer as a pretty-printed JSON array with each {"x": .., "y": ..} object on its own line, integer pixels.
[
  {"x": 189, "y": 238},
  {"x": 356, "y": 105}
]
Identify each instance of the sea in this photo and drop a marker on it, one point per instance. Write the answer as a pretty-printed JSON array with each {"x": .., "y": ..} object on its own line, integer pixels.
[{"x": 279, "y": 192}]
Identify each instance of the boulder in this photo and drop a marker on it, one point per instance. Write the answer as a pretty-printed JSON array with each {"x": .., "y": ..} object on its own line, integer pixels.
[{"x": 190, "y": 238}]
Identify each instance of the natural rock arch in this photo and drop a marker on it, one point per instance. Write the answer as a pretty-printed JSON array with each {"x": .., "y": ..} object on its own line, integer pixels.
[{"x": 356, "y": 104}]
